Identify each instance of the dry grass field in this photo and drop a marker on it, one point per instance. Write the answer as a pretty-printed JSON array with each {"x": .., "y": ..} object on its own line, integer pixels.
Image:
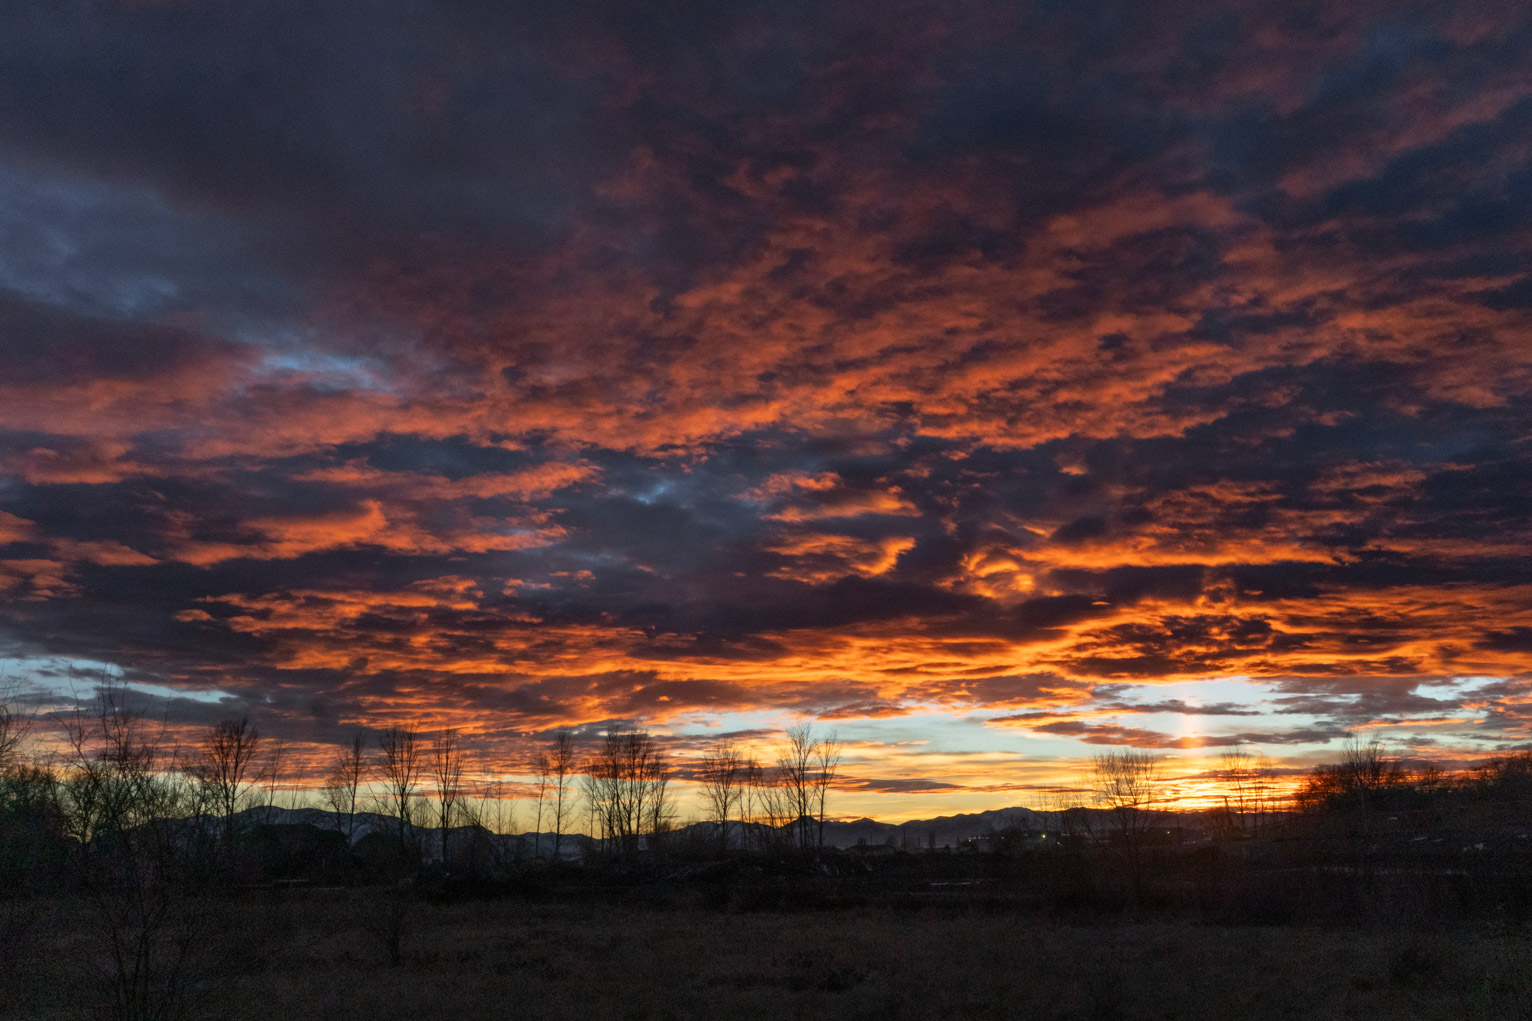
[{"x": 316, "y": 955}]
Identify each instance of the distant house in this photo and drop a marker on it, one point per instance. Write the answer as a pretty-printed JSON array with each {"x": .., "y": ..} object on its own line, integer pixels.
[
  {"x": 1015, "y": 838},
  {"x": 865, "y": 850}
]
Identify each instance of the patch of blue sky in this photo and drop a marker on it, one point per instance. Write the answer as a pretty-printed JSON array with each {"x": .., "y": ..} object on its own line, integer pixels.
[
  {"x": 923, "y": 732},
  {"x": 325, "y": 370},
  {"x": 1465, "y": 681},
  {"x": 655, "y": 493},
  {"x": 212, "y": 696},
  {"x": 708, "y": 723},
  {"x": 1214, "y": 690},
  {"x": 55, "y": 676},
  {"x": 935, "y": 731},
  {"x": 64, "y": 679}
]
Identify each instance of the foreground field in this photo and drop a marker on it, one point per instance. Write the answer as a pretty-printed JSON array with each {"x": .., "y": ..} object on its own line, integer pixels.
[{"x": 327, "y": 956}]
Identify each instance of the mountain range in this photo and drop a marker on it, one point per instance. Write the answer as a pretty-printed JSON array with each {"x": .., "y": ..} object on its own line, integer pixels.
[{"x": 948, "y": 831}]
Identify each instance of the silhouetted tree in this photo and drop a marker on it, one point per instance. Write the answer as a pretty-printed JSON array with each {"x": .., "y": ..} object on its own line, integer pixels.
[
  {"x": 33, "y": 850},
  {"x": 447, "y": 772},
  {"x": 795, "y": 773},
  {"x": 1507, "y": 777},
  {"x": 805, "y": 771},
  {"x": 1128, "y": 781},
  {"x": 540, "y": 783},
  {"x": 1360, "y": 781},
  {"x": 774, "y": 799},
  {"x": 626, "y": 782},
  {"x": 124, "y": 799},
  {"x": 752, "y": 780},
  {"x": 343, "y": 789},
  {"x": 826, "y": 761},
  {"x": 1246, "y": 779},
  {"x": 402, "y": 771},
  {"x": 12, "y": 731},
  {"x": 562, "y": 766},
  {"x": 721, "y": 773},
  {"x": 227, "y": 773},
  {"x": 496, "y": 814}
]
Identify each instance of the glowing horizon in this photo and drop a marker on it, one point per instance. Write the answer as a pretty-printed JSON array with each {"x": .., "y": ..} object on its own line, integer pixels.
[{"x": 993, "y": 384}]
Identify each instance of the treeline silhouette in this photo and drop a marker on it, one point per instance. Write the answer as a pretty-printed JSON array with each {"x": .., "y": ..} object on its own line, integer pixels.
[
  {"x": 1367, "y": 781},
  {"x": 144, "y": 838},
  {"x": 140, "y": 845}
]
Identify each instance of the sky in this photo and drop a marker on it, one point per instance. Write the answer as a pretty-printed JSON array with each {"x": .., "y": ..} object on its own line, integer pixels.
[{"x": 993, "y": 384}]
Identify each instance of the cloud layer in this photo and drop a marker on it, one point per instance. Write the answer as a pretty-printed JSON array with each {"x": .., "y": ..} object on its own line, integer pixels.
[{"x": 536, "y": 369}]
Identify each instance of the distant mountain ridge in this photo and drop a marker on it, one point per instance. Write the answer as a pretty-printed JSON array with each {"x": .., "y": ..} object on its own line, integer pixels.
[{"x": 915, "y": 834}]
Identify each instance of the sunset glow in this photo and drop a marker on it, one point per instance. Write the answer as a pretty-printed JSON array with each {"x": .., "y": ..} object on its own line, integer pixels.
[{"x": 992, "y": 384}]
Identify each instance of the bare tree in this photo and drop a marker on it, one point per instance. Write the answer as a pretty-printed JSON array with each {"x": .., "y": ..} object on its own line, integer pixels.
[
  {"x": 752, "y": 779},
  {"x": 1363, "y": 776},
  {"x": 402, "y": 771},
  {"x": 626, "y": 783},
  {"x": 123, "y": 799},
  {"x": 1246, "y": 777},
  {"x": 721, "y": 773},
  {"x": 589, "y": 793},
  {"x": 226, "y": 772},
  {"x": 775, "y": 797},
  {"x": 32, "y": 853},
  {"x": 544, "y": 768},
  {"x": 119, "y": 778},
  {"x": 658, "y": 814},
  {"x": 497, "y": 815},
  {"x": 343, "y": 789},
  {"x": 271, "y": 770},
  {"x": 13, "y": 728},
  {"x": 826, "y": 762},
  {"x": 1127, "y": 782},
  {"x": 806, "y": 768},
  {"x": 795, "y": 772},
  {"x": 1367, "y": 769},
  {"x": 562, "y": 767},
  {"x": 447, "y": 772}
]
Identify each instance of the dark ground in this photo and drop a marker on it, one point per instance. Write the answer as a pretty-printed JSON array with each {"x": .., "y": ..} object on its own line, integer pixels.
[{"x": 945, "y": 939}]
